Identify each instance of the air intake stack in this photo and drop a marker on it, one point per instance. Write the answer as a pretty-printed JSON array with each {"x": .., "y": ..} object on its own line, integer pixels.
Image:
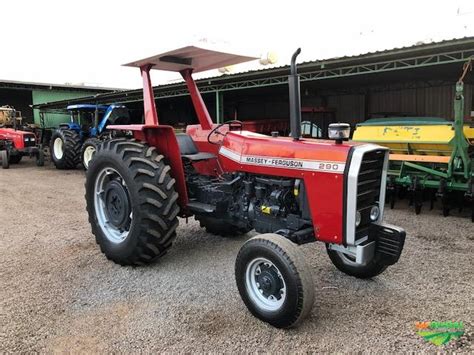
[{"x": 295, "y": 98}]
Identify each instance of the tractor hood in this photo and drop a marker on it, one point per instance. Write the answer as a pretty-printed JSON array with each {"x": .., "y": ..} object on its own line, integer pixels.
[
  {"x": 11, "y": 133},
  {"x": 267, "y": 153},
  {"x": 20, "y": 139}
]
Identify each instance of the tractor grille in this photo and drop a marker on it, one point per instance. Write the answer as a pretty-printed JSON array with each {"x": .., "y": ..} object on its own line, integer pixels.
[
  {"x": 368, "y": 187},
  {"x": 29, "y": 141}
]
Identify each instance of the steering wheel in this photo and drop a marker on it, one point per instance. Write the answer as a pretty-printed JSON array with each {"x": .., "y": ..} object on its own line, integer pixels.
[{"x": 215, "y": 131}]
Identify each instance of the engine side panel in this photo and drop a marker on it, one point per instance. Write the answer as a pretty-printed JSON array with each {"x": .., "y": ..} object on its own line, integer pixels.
[{"x": 319, "y": 164}]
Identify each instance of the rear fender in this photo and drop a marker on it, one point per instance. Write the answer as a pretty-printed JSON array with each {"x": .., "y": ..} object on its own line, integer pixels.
[
  {"x": 164, "y": 139},
  {"x": 72, "y": 126}
]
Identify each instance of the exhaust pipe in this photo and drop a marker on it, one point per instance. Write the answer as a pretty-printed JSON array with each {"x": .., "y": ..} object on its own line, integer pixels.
[{"x": 295, "y": 98}]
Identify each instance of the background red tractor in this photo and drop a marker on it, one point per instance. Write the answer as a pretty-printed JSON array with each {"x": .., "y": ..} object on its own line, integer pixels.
[
  {"x": 293, "y": 190},
  {"x": 15, "y": 143}
]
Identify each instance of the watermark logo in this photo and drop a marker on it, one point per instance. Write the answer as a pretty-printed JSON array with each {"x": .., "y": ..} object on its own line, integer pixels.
[{"x": 439, "y": 333}]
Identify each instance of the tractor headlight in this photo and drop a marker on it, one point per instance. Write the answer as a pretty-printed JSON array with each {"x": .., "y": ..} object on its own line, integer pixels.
[
  {"x": 339, "y": 131},
  {"x": 358, "y": 218},
  {"x": 374, "y": 213}
]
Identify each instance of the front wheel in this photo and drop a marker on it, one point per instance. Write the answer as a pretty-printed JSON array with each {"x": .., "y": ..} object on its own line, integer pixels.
[
  {"x": 347, "y": 264},
  {"x": 131, "y": 202},
  {"x": 4, "y": 158},
  {"x": 88, "y": 150},
  {"x": 274, "y": 281}
]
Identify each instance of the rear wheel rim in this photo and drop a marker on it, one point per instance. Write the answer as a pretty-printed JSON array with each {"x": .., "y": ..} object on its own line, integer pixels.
[
  {"x": 88, "y": 154},
  {"x": 58, "y": 148},
  {"x": 265, "y": 284},
  {"x": 112, "y": 205}
]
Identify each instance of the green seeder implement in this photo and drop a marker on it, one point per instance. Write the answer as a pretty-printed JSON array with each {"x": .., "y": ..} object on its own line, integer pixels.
[{"x": 429, "y": 156}]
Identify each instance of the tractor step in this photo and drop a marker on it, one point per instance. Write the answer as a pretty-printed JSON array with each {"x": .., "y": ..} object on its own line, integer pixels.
[{"x": 201, "y": 208}]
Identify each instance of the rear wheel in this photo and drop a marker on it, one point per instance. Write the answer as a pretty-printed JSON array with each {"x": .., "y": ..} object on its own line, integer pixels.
[
  {"x": 218, "y": 227},
  {"x": 65, "y": 148},
  {"x": 131, "y": 202},
  {"x": 88, "y": 150},
  {"x": 4, "y": 158},
  {"x": 347, "y": 264},
  {"x": 274, "y": 281}
]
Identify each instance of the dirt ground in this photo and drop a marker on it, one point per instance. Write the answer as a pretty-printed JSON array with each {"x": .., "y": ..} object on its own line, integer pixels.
[{"x": 59, "y": 293}]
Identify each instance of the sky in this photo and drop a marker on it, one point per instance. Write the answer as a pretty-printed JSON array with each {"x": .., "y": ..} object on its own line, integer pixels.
[{"x": 86, "y": 42}]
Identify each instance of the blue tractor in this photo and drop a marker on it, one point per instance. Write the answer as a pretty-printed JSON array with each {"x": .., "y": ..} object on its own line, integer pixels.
[{"x": 76, "y": 141}]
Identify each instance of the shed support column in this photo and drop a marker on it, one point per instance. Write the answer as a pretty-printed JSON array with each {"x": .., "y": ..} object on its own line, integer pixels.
[
  {"x": 42, "y": 123},
  {"x": 366, "y": 104},
  {"x": 151, "y": 117},
  {"x": 219, "y": 107}
]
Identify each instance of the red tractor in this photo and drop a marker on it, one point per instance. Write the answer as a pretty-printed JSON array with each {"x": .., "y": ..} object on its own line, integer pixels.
[
  {"x": 293, "y": 190},
  {"x": 14, "y": 142}
]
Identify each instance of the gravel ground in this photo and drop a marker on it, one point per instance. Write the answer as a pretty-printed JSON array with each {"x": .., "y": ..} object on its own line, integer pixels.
[{"x": 59, "y": 293}]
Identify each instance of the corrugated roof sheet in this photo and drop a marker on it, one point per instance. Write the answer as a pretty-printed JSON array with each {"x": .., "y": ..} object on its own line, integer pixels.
[
  {"x": 392, "y": 52},
  {"x": 389, "y": 54},
  {"x": 50, "y": 86}
]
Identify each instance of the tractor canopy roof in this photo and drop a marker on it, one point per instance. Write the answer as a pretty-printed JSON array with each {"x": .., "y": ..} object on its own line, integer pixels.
[{"x": 191, "y": 57}]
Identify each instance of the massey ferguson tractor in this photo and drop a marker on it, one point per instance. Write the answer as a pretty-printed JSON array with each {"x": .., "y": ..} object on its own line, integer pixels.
[
  {"x": 292, "y": 190},
  {"x": 15, "y": 143}
]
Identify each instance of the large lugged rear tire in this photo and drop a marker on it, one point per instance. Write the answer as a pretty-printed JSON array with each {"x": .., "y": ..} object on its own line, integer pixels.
[
  {"x": 65, "y": 148},
  {"x": 347, "y": 265},
  {"x": 218, "y": 227},
  {"x": 274, "y": 280},
  {"x": 131, "y": 202}
]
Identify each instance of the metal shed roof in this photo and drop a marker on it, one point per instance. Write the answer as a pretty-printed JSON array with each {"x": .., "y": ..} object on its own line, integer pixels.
[
  {"x": 14, "y": 84},
  {"x": 397, "y": 59}
]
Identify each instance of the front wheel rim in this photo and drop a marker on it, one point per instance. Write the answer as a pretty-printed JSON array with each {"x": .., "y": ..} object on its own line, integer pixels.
[
  {"x": 88, "y": 154},
  {"x": 265, "y": 284},
  {"x": 112, "y": 206},
  {"x": 347, "y": 259},
  {"x": 58, "y": 148}
]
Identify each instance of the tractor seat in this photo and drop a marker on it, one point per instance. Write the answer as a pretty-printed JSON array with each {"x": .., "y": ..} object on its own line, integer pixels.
[{"x": 189, "y": 150}]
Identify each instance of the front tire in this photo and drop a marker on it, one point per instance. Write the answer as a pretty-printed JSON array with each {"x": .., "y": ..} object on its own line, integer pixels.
[
  {"x": 65, "y": 148},
  {"x": 88, "y": 151},
  {"x": 4, "y": 158},
  {"x": 347, "y": 265},
  {"x": 131, "y": 202},
  {"x": 274, "y": 281}
]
